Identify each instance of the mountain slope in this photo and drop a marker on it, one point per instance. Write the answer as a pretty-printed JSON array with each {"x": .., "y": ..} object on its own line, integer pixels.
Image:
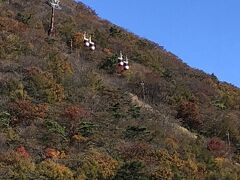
[{"x": 66, "y": 114}]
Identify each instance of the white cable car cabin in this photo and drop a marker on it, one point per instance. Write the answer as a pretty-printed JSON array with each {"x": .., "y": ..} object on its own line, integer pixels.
[
  {"x": 54, "y": 4},
  {"x": 125, "y": 64},
  {"x": 92, "y": 44},
  {"x": 120, "y": 59},
  {"x": 86, "y": 40}
]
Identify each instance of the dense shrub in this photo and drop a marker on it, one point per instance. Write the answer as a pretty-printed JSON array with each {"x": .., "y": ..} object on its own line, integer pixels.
[
  {"x": 217, "y": 146},
  {"x": 75, "y": 113},
  {"x": 78, "y": 40},
  {"x": 136, "y": 151},
  {"x": 59, "y": 66},
  {"x": 42, "y": 85},
  {"x": 55, "y": 128},
  {"x": 86, "y": 129},
  {"x": 11, "y": 25},
  {"x": 25, "y": 111},
  {"x": 139, "y": 57},
  {"x": 52, "y": 153},
  {"x": 164, "y": 172},
  {"x": 12, "y": 47},
  {"x": 95, "y": 81},
  {"x": 13, "y": 88},
  {"x": 97, "y": 165},
  {"x": 50, "y": 170},
  {"x": 132, "y": 171},
  {"x": 171, "y": 166},
  {"x": 116, "y": 111},
  {"x": 24, "y": 18},
  {"x": 67, "y": 28},
  {"x": 15, "y": 166},
  {"x": 228, "y": 96},
  {"x": 136, "y": 132},
  {"x": 101, "y": 39},
  {"x": 114, "y": 32},
  {"x": 78, "y": 138},
  {"x": 134, "y": 111},
  {"x": 5, "y": 120},
  {"x": 22, "y": 151},
  {"x": 229, "y": 124},
  {"x": 109, "y": 64},
  {"x": 189, "y": 112},
  {"x": 181, "y": 93}
]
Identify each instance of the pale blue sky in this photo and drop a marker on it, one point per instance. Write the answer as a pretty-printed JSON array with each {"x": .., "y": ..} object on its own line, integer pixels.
[{"x": 204, "y": 33}]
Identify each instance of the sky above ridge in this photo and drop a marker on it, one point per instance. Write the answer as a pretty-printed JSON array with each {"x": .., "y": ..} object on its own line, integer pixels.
[{"x": 204, "y": 33}]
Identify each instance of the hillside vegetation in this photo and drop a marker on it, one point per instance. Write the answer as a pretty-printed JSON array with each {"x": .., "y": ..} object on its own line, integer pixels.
[{"x": 66, "y": 114}]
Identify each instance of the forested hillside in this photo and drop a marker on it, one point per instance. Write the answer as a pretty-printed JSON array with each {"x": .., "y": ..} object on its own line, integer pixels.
[{"x": 67, "y": 113}]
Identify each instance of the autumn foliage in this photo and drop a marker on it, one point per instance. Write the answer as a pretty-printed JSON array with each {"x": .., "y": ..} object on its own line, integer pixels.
[
  {"x": 217, "y": 146},
  {"x": 52, "y": 170},
  {"x": 189, "y": 112},
  {"x": 74, "y": 113},
  {"x": 137, "y": 151},
  {"x": 70, "y": 113},
  {"x": 77, "y": 40},
  {"x": 101, "y": 165},
  {"x": 24, "y": 110},
  {"x": 22, "y": 151},
  {"x": 52, "y": 153},
  {"x": 11, "y": 25},
  {"x": 44, "y": 84}
]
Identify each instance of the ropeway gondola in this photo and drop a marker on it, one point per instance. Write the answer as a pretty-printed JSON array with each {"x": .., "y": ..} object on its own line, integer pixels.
[{"x": 88, "y": 42}]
